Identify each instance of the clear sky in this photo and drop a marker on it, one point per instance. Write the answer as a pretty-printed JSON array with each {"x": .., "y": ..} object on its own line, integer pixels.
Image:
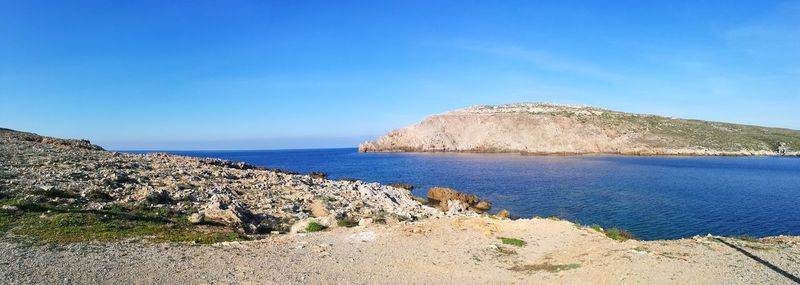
[{"x": 302, "y": 74}]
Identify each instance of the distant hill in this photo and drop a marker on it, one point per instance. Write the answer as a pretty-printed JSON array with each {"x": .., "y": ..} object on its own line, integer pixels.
[{"x": 540, "y": 128}]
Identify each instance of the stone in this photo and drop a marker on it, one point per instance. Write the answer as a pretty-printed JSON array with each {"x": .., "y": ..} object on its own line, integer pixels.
[
  {"x": 153, "y": 196},
  {"x": 318, "y": 209},
  {"x": 456, "y": 206},
  {"x": 300, "y": 227},
  {"x": 503, "y": 214},
  {"x": 196, "y": 218},
  {"x": 9, "y": 208},
  {"x": 363, "y": 222},
  {"x": 438, "y": 196},
  {"x": 781, "y": 148}
]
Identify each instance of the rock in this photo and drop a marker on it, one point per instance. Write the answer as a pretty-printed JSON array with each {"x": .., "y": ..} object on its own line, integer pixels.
[
  {"x": 153, "y": 196},
  {"x": 438, "y": 196},
  {"x": 483, "y": 206},
  {"x": 318, "y": 209},
  {"x": 455, "y": 207},
  {"x": 405, "y": 186},
  {"x": 781, "y": 148},
  {"x": 220, "y": 211},
  {"x": 319, "y": 175},
  {"x": 300, "y": 227},
  {"x": 9, "y": 208},
  {"x": 196, "y": 218},
  {"x": 363, "y": 222},
  {"x": 503, "y": 214}
]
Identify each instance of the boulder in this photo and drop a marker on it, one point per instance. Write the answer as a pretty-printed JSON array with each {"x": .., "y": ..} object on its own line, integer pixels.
[
  {"x": 196, "y": 218},
  {"x": 221, "y": 210},
  {"x": 438, "y": 196},
  {"x": 153, "y": 196},
  {"x": 363, "y": 222},
  {"x": 218, "y": 213},
  {"x": 455, "y": 207},
  {"x": 503, "y": 214}
]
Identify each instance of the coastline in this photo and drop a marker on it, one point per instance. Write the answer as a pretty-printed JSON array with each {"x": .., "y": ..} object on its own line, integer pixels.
[
  {"x": 631, "y": 153},
  {"x": 58, "y": 226}
]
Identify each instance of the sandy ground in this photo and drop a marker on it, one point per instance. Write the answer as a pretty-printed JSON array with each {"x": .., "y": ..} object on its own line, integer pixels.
[{"x": 437, "y": 251}]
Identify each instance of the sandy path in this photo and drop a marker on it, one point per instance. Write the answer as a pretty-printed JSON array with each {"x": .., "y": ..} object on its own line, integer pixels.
[{"x": 443, "y": 251}]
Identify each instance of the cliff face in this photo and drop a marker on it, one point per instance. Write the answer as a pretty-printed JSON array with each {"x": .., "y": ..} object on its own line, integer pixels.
[{"x": 561, "y": 129}]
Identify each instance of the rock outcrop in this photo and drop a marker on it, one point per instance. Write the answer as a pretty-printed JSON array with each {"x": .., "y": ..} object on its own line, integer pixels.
[
  {"x": 539, "y": 128},
  {"x": 450, "y": 200}
]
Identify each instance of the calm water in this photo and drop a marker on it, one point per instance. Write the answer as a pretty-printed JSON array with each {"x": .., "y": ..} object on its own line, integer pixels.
[{"x": 652, "y": 197}]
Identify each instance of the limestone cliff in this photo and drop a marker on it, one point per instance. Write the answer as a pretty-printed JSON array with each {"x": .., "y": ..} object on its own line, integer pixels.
[{"x": 539, "y": 128}]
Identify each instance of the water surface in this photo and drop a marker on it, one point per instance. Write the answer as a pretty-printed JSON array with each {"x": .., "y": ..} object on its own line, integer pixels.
[{"x": 652, "y": 197}]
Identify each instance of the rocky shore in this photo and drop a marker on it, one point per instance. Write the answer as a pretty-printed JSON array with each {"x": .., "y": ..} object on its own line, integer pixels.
[
  {"x": 73, "y": 213},
  {"x": 552, "y": 129}
]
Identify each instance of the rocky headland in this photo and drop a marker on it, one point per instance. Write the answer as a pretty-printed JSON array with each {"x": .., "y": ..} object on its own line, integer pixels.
[
  {"x": 73, "y": 213},
  {"x": 540, "y": 128}
]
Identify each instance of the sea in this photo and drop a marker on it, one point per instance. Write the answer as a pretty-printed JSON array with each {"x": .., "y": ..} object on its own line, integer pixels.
[{"x": 652, "y": 197}]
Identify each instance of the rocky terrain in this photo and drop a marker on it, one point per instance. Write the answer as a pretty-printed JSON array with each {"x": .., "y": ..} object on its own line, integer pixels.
[
  {"x": 79, "y": 176},
  {"x": 72, "y": 213},
  {"x": 538, "y": 128}
]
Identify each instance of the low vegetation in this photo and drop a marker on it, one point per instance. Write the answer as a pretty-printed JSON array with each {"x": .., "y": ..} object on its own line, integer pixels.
[
  {"x": 513, "y": 241},
  {"x": 347, "y": 223},
  {"x": 314, "y": 227},
  {"x": 552, "y": 268},
  {"x": 747, "y": 238},
  {"x": 48, "y": 223},
  {"x": 619, "y": 234}
]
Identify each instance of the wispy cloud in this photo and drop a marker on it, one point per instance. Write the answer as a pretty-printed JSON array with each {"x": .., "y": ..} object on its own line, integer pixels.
[
  {"x": 774, "y": 35},
  {"x": 538, "y": 58}
]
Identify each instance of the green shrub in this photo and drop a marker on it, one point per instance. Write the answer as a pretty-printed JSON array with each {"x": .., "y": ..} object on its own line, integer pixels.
[
  {"x": 513, "y": 241},
  {"x": 619, "y": 234},
  {"x": 314, "y": 227},
  {"x": 347, "y": 223}
]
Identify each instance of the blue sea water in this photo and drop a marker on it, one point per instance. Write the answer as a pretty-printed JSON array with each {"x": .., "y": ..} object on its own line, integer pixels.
[{"x": 652, "y": 197}]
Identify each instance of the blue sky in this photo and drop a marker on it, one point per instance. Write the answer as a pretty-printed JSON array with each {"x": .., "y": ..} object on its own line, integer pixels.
[{"x": 286, "y": 74}]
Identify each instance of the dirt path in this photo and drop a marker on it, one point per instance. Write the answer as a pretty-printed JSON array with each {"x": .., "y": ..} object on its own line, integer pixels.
[{"x": 440, "y": 251}]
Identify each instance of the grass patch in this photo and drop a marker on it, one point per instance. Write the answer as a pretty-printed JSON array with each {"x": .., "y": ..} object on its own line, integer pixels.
[
  {"x": 596, "y": 227},
  {"x": 619, "y": 234},
  {"x": 67, "y": 225},
  {"x": 347, "y": 223},
  {"x": 552, "y": 268},
  {"x": 314, "y": 227},
  {"x": 746, "y": 238},
  {"x": 513, "y": 241},
  {"x": 55, "y": 193}
]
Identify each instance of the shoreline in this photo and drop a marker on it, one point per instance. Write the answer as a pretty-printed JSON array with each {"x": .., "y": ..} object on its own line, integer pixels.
[
  {"x": 73, "y": 213},
  {"x": 568, "y": 154}
]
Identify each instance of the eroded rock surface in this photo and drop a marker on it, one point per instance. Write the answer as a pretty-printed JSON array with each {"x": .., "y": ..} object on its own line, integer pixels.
[{"x": 537, "y": 128}]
